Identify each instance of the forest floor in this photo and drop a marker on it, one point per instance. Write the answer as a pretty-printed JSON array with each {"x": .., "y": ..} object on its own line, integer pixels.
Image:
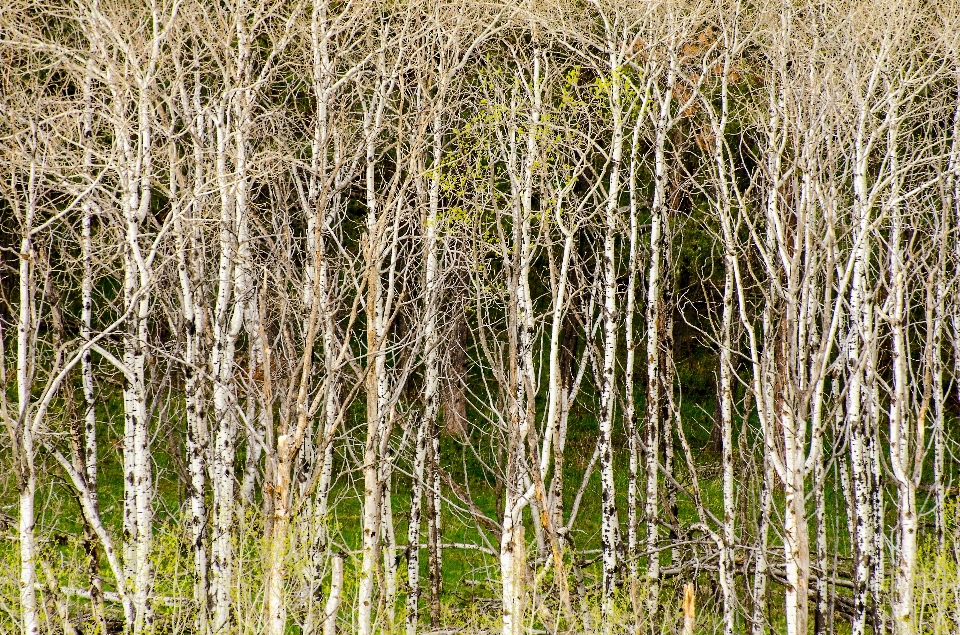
[{"x": 470, "y": 575}]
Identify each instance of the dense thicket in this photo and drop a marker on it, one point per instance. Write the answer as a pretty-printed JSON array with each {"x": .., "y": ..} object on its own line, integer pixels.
[{"x": 372, "y": 316}]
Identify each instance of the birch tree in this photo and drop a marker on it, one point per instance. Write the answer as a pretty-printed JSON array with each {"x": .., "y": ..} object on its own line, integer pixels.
[
  {"x": 127, "y": 62},
  {"x": 282, "y": 240}
]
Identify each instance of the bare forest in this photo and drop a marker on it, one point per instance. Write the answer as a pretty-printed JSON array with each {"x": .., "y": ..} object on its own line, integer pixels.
[{"x": 429, "y": 316}]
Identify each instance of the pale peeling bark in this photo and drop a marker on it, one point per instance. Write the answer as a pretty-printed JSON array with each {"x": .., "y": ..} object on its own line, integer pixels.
[
  {"x": 132, "y": 84},
  {"x": 726, "y": 564},
  {"x": 371, "y": 498},
  {"x": 324, "y": 201},
  {"x": 26, "y": 473},
  {"x": 29, "y": 620},
  {"x": 190, "y": 271},
  {"x": 136, "y": 184},
  {"x": 413, "y": 531},
  {"x": 434, "y": 513},
  {"x": 906, "y": 413},
  {"x": 389, "y": 539},
  {"x": 789, "y": 464},
  {"x": 197, "y": 442},
  {"x": 659, "y": 230},
  {"x": 902, "y": 429},
  {"x": 555, "y": 379},
  {"x": 377, "y": 382},
  {"x": 610, "y": 534},
  {"x": 761, "y": 568},
  {"x": 821, "y": 586},
  {"x": 879, "y": 548},
  {"x": 371, "y": 508},
  {"x": 332, "y": 606},
  {"x": 560, "y": 389},
  {"x": 523, "y": 380},
  {"x": 610, "y": 525},
  {"x": 512, "y": 551},
  {"x": 796, "y": 539},
  {"x": 331, "y": 406},
  {"x": 857, "y": 407},
  {"x": 274, "y": 602},
  {"x": 138, "y": 492},
  {"x": 87, "y": 448},
  {"x": 630, "y": 343},
  {"x": 226, "y": 322},
  {"x": 629, "y": 408},
  {"x": 231, "y": 122},
  {"x": 950, "y": 247},
  {"x": 860, "y": 451},
  {"x": 427, "y": 442},
  {"x": 863, "y": 516}
]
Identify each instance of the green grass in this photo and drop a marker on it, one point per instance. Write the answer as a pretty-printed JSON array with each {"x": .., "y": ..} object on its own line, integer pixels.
[{"x": 470, "y": 576}]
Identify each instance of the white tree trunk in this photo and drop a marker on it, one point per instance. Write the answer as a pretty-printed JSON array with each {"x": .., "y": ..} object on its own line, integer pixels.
[
  {"x": 275, "y": 608},
  {"x": 512, "y": 551},
  {"x": 858, "y": 416},
  {"x": 796, "y": 541},
  {"x": 822, "y": 585},
  {"x": 655, "y": 373},
  {"x": 333, "y": 600},
  {"x": 523, "y": 380},
  {"x": 389, "y": 538},
  {"x": 87, "y": 459},
  {"x": 233, "y": 289},
  {"x": 727, "y": 563},
  {"x": 376, "y": 380},
  {"x": 413, "y": 532},
  {"x": 322, "y": 203},
  {"x": 431, "y": 385},
  {"x": 610, "y": 525},
  {"x": 138, "y": 481},
  {"x": 29, "y": 620},
  {"x": 190, "y": 271},
  {"x": 725, "y": 402},
  {"x": 906, "y": 440},
  {"x": 138, "y": 493},
  {"x": 434, "y": 513},
  {"x": 758, "y": 620},
  {"x": 949, "y": 247},
  {"x": 629, "y": 408}
]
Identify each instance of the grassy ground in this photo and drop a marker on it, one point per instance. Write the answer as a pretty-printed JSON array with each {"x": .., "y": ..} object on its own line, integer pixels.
[{"x": 470, "y": 576}]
